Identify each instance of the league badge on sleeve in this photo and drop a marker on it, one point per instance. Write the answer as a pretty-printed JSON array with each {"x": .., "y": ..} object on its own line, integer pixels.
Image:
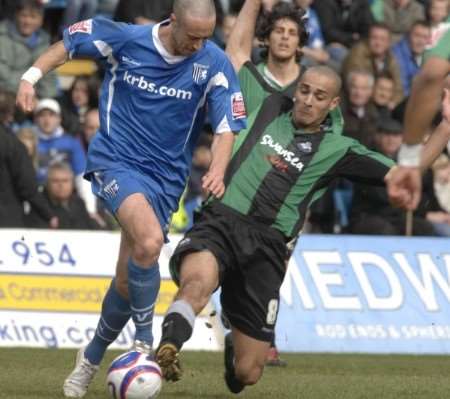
[
  {"x": 200, "y": 73},
  {"x": 81, "y": 27},
  {"x": 238, "y": 106}
]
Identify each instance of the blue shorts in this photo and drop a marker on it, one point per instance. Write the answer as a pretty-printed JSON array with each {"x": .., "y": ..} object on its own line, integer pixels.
[{"x": 114, "y": 185}]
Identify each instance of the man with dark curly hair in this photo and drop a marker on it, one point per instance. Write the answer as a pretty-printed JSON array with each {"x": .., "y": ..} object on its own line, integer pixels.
[{"x": 282, "y": 33}]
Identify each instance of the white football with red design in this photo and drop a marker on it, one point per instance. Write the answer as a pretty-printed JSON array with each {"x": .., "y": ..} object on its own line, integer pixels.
[{"x": 134, "y": 375}]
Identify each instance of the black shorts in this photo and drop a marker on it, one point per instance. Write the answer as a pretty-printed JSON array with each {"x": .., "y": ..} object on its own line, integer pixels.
[{"x": 251, "y": 258}]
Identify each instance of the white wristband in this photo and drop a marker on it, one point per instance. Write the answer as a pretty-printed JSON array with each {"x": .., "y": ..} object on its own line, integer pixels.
[
  {"x": 32, "y": 75},
  {"x": 410, "y": 155}
]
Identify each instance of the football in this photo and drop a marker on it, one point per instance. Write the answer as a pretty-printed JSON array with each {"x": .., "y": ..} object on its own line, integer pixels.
[{"x": 134, "y": 375}]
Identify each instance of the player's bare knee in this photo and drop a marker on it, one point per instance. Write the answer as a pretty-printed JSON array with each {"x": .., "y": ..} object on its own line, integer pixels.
[
  {"x": 248, "y": 373},
  {"x": 146, "y": 251},
  {"x": 195, "y": 292}
]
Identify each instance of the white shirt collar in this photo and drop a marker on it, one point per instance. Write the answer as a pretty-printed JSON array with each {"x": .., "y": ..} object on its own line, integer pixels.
[
  {"x": 169, "y": 58},
  {"x": 268, "y": 76},
  {"x": 58, "y": 132},
  {"x": 359, "y": 112}
]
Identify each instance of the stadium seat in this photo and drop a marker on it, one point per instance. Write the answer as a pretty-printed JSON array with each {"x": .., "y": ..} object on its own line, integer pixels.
[{"x": 77, "y": 67}]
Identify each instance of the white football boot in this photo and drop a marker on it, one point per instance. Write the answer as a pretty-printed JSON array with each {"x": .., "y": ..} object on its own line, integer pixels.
[
  {"x": 76, "y": 384},
  {"x": 142, "y": 347}
]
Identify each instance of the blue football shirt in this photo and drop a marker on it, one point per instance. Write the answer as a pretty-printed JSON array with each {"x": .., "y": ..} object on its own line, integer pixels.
[{"x": 153, "y": 104}]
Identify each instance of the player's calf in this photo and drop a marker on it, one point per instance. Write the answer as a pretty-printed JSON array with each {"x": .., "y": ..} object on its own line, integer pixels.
[
  {"x": 244, "y": 360},
  {"x": 238, "y": 374},
  {"x": 247, "y": 372}
]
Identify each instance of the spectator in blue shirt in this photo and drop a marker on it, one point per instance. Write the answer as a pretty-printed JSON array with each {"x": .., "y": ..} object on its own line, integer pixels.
[
  {"x": 54, "y": 145},
  {"x": 409, "y": 53},
  {"x": 314, "y": 52}
]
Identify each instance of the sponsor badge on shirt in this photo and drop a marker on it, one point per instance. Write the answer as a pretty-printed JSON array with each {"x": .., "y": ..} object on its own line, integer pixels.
[
  {"x": 81, "y": 27},
  {"x": 237, "y": 105}
]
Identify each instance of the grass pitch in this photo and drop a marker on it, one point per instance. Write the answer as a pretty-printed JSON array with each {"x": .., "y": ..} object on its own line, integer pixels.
[{"x": 39, "y": 374}]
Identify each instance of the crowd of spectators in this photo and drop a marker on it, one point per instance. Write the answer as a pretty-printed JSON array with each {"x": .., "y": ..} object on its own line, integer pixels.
[{"x": 376, "y": 45}]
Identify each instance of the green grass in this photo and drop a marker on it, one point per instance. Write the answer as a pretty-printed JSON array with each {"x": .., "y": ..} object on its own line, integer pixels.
[{"x": 38, "y": 374}]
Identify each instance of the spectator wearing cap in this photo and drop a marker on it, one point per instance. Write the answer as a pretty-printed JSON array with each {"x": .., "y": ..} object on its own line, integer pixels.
[
  {"x": 54, "y": 145},
  {"x": 17, "y": 176},
  {"x": 374, "y": 55},
  {"x": 22, "y": 41},
  {"x": 62, "y": 199},
  {"x": 372, "y": 212},
  {"x": 409, "y": 53},
  {"x": 389, "y": 137}
]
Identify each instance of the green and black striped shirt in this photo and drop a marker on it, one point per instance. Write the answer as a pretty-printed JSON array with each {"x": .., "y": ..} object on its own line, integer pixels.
[{"x": 277, "y": 172}]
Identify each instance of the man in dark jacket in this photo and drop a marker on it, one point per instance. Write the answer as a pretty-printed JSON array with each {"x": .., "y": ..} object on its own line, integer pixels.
[
  {"x": 60, "y": 197},
  {"x": 142, "y": 11},
  {"x": 344, "y": 21},
  {"x": 360, "y": 115},
  {"x": 18, "y": 184},
  {"x": 372, "y": 212}
]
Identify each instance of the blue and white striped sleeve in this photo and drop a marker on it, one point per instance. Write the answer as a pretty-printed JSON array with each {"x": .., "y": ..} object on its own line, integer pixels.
[
  {"x": 95, "y": 38},
  {"x": 225, "y": 101}
]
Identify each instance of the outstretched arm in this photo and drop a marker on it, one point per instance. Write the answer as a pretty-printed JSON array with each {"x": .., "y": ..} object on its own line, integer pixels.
[
  {"x": 440, "y": 137},
  {"x": 424, "y": 101},
  {"x": 240, "y": 42},
  {"x": 54, "y": 56},
  {"x": 409, "y": 179}
]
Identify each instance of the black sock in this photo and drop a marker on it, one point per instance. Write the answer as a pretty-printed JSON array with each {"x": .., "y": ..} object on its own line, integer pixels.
[{"x": 176, "y": 330}]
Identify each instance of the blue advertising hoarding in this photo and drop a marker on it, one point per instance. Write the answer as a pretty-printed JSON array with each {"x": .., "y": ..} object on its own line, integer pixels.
[{"x": 366, "y": 294}]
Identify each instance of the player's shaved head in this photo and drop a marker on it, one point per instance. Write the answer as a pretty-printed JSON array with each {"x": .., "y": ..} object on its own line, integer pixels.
[
  {"x": 191, "y": 24},
  {"x": 194, "y": 8},
  {"x": 323, "y": 70},
  {"x": 317, "y": 94}
]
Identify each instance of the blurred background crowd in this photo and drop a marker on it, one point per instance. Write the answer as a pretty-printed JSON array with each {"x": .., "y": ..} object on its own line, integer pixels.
[{"x": 376, "y": 45}]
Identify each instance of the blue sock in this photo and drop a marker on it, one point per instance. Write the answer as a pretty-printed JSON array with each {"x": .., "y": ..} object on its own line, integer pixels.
[
  {"x": 115, "y": 314},
  {"x": 143, "y": 289}
]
